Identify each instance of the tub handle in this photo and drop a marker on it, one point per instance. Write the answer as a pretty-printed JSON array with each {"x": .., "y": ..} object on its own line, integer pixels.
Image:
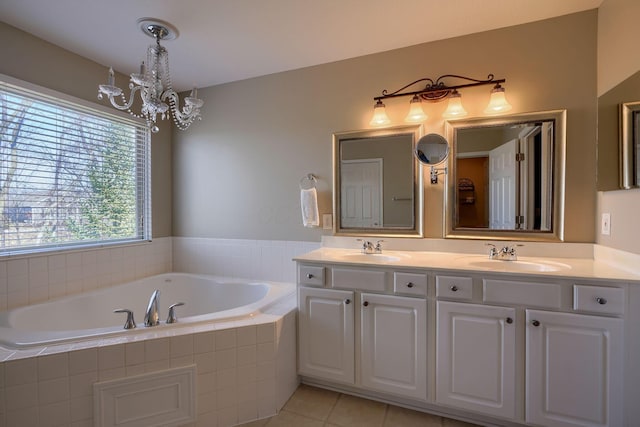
[
  {"x": 172, "y": 318},
  {"x": 130, "y": 323}
]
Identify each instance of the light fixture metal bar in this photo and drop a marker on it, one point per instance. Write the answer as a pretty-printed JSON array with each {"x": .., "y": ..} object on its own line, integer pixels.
[{"x": 437, "y": 90}]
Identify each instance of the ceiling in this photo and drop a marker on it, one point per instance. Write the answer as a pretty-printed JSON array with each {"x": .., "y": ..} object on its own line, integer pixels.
[{"x": 227, "y": 40}]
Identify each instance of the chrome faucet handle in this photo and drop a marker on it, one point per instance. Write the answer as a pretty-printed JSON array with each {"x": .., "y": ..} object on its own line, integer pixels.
[
  {"x": 367, "y": 246},
  {"x": 172, "y": 318},
  {"x": 129, "y": 323},
  {"x": 493, "y": 252},
  {"x": 378, "y": 247}
]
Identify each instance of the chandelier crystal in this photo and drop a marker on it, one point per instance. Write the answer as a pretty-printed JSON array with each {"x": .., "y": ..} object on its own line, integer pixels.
[{"x": 154, "y": 84}]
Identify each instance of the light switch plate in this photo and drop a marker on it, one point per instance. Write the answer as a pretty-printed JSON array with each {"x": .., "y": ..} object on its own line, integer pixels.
[
  {"x": 327, "y": 221},
  {"x": 605, "y": 228}
]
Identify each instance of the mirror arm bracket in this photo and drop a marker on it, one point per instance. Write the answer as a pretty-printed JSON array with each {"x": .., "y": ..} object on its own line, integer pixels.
[{"x": 434, "y": 172}]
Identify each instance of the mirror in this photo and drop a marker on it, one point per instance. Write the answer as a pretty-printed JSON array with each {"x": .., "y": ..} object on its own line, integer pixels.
[
  {"x": 630, "y": 144},
  {"x": 507, "y": 177},
  {"x": 377, "y": 184},
  {"x": 431, "y": 149},
  {"x": 615, "y": 161}
]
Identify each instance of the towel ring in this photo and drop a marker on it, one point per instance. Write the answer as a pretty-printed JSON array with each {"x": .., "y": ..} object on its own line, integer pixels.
[{"x": 308, "y": 182}]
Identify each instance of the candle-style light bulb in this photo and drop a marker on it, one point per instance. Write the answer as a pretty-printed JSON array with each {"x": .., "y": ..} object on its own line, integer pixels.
[{"x": 112, "y": 79}]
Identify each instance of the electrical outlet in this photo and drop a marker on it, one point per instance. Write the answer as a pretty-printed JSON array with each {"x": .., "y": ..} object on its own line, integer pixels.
[{"x": 605, "y": 228}]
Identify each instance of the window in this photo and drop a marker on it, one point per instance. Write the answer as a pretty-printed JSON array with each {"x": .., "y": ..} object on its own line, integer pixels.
[{"x": 71, "y": 174}]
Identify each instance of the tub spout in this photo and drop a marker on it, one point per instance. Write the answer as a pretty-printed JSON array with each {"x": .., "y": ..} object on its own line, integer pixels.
[{"x": 152, "y": 315}]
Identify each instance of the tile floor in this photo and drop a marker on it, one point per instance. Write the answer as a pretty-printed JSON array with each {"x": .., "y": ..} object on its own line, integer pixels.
[{"x": 315, "y": 407}]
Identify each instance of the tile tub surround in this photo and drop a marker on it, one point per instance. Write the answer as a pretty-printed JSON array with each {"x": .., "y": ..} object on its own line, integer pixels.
[
  {"x": 270, "y": 260},
  {"x": 30, "y": 279},
  {"x": 245, "y": 370},
  {"x": 316, "y": 407}
]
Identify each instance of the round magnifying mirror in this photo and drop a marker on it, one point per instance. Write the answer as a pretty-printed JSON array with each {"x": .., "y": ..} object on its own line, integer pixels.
[{"x": 432, "y": 149}]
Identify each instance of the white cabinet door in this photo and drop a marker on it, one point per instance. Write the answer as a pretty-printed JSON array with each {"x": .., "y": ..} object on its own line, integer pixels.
[
  {"x": 475, "y": 357},
  {"x": 326, "y": 334},
  {"x": 573, "y": 370},
  {"x": 393, "y": 344}
]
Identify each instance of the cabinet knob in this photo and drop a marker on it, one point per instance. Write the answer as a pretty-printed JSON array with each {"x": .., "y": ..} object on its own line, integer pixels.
[
  {"x": 309, "y": 276},
  {"x": 454, "y": 288},
  {"x": 409, "y": 285},
  {"x": 535, "y": 323},
  {"x": 347, "y": 301},
  {"x": 601, "y": 301},
  {"x": 509, "y": 320},
  {"x": 366, "y": 303}
]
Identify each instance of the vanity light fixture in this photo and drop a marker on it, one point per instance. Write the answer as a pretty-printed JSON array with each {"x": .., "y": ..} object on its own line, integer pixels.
[
  {"x": 416, "y": 113},
  {"x": 380, "y": 117},
  {"x": 436, "y": 91},
  {"x": 497, "y": 103},
  {"x": 154, "y": 83},
  {"x": 455, "y": 108}
]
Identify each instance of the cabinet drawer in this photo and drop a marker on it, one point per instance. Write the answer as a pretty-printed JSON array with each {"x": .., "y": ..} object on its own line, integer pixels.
[
  {"x": 368, "y": 280},
  {"x": 454, "y": 287},
  {"x": 311, "y": 275},
  {"x": 532, "y": 294},
  {"x": 598, "y": 299},
  {"x": 410, "y": 283}
]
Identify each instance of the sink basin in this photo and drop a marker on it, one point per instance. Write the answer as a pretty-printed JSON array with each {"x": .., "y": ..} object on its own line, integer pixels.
[
  {"x": 357, "y": 257},
  {"x": 370, "y": 257},
  {"x": 532, "y": 266}
]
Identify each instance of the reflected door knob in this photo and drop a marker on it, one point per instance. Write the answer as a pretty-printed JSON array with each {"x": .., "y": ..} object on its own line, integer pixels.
[
  {"x": 601, "y": 301},
  {"x": 366, "y": 303},
  {"x": 309, "y": 276},
  {"x": 409, "y": 285},
  {"x": 454, "y": 288},
  {"x": 347, "y": 301},
  {"x": 509, "y": 320},
  {"x": 535, "y": 323}
]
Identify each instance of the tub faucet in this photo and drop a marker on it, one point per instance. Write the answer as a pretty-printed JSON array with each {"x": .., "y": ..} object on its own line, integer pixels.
[{"x": 152, "y": 315}]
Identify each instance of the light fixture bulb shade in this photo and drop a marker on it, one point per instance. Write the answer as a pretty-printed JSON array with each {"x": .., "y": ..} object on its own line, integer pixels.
[
  {"x": 380, "y": 117},
  {"x": 455, "y": 108},
  {"x": 416, "y": 113},
  {"x": 497, "y": 103}
]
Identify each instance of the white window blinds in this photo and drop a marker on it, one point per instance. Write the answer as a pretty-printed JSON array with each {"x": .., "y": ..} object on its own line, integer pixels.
[{"x": 70, "y": 174}]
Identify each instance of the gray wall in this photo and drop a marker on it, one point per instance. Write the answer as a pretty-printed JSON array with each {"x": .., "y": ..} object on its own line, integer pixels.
[
  {"x": 38, "y": 62},
  {"x": 618, "y": 64},
  {"x": 236, "y": 173}
]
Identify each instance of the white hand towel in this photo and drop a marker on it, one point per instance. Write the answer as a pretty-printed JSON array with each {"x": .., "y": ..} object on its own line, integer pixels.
[{"x": 309, "y": 205}]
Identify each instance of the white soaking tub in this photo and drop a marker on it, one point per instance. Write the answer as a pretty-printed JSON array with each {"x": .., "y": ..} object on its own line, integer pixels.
[{"x": 90, "y": 315}]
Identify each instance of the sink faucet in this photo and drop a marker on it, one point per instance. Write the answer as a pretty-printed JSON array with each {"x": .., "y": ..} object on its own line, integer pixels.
[
  {"x": 506, "y": 253},
  {"x": 370, "y": 248},
  {"x": 152, "y": 315}
]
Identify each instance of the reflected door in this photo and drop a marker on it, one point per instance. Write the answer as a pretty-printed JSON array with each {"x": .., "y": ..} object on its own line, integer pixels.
[
  {"x": 502, "y": 186},
  {"x": 361, "y": 193}
]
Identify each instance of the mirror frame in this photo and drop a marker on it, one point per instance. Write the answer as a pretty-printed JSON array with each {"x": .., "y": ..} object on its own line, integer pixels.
[
  {"x": 559, "y": 117},
  {"x": 417, "y": 231},
  {"x": 628, "y": 160}
]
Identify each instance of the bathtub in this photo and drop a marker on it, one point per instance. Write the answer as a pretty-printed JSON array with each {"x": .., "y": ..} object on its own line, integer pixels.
[{"x": 90, "y": 315}]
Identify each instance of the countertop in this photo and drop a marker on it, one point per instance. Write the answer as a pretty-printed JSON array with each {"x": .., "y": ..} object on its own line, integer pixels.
[{"x": 581, "y": 268}]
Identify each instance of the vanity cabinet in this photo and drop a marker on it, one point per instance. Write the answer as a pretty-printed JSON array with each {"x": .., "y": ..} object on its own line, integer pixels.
[
  {"x": 572, "y": 361},
  {"x": 495, "y": 348},
  {"x": 326, "y": 334},
  {"x": 393, "y": 345},
  {"x": 574, "y": 369},
  {"x": 386, "y": 351},
  {"x": 476, "y": 357}
]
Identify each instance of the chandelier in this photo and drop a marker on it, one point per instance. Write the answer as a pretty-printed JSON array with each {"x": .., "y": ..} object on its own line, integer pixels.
[{"x": 154, "y": 84}]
